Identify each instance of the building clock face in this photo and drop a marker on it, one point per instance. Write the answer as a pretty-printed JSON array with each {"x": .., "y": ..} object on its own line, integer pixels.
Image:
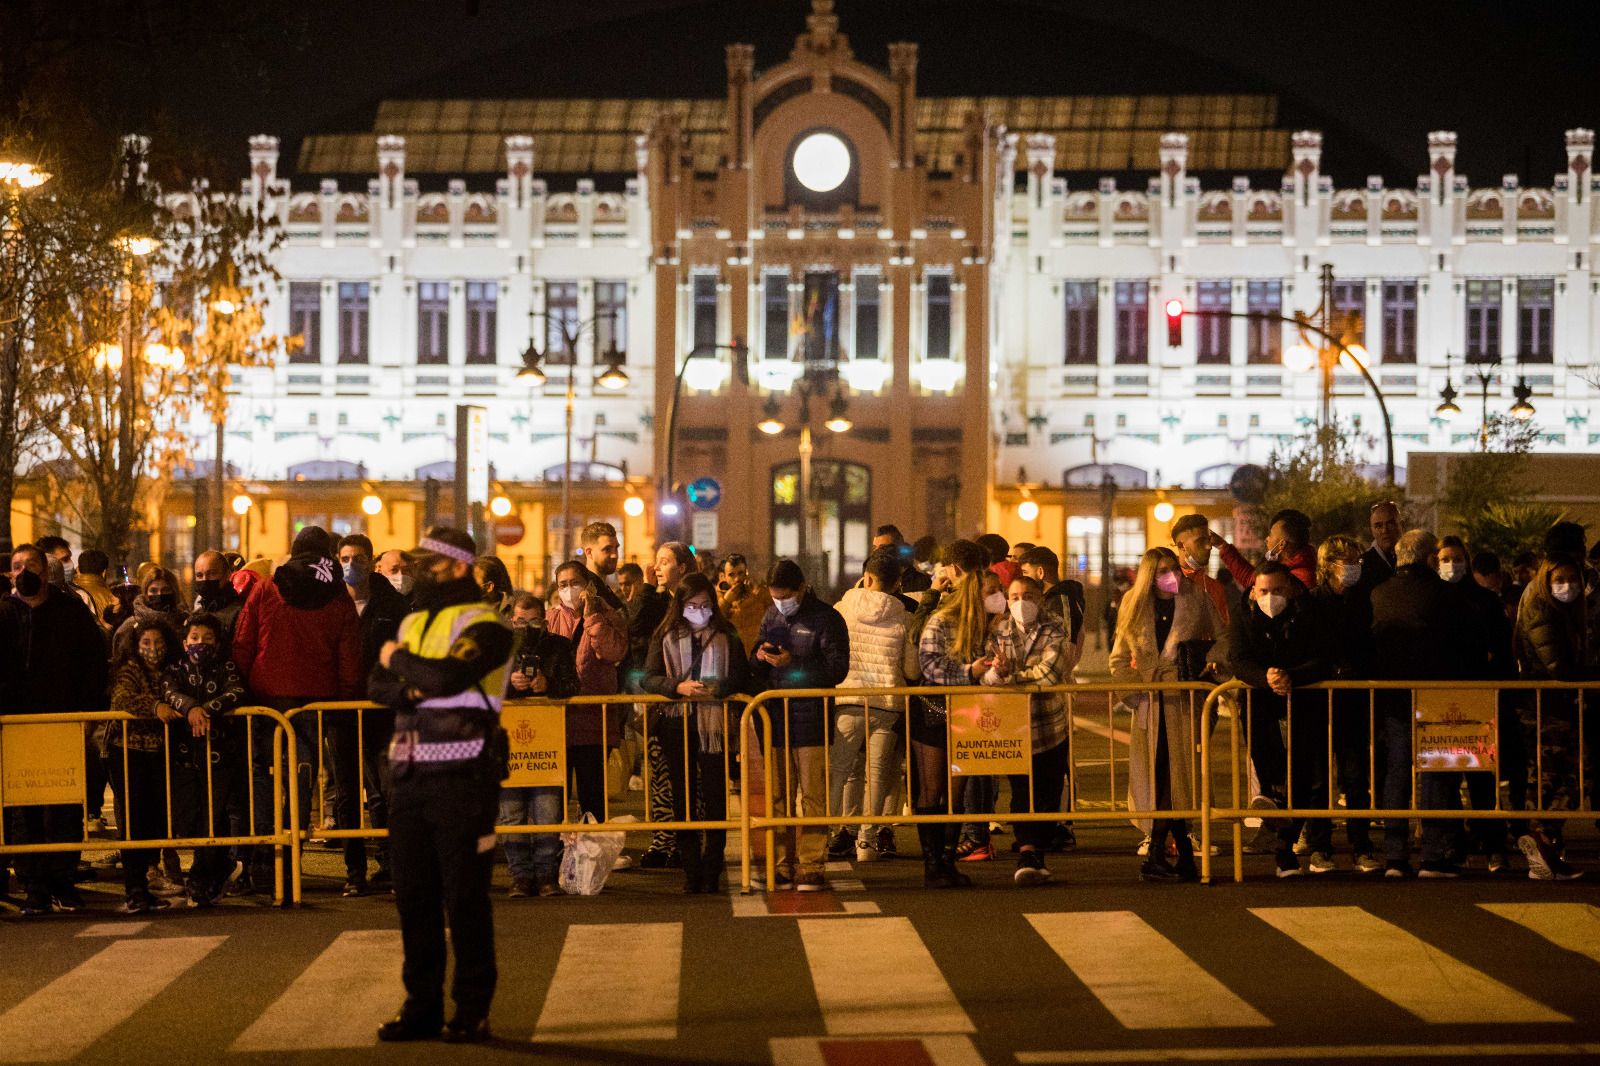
[{"x": 821, "y": 162}]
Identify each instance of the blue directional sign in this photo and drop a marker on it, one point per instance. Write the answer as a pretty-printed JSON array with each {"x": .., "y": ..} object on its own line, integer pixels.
[{"x": 705, "y": 493}]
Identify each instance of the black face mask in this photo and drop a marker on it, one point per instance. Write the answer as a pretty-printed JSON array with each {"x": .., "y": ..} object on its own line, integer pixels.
[
  {"x": 162, "y": 601},
  {"x": 209, "y": 589},
  {"x": 28, "y": 584}
]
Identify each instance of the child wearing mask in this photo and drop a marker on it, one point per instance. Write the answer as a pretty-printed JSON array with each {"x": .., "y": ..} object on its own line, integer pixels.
[
  {"x": 136, "y": 752},
  {"x": 203, "y": 685}
]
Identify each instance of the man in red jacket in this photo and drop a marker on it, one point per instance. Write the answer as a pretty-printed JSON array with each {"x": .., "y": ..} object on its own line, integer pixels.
[
  {"x": 1288, "y": 542},
  {"x": 297, "y": 641}
]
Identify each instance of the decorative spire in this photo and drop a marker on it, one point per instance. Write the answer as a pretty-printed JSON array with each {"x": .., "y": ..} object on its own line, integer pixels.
[{"x": 822, "y": 36}]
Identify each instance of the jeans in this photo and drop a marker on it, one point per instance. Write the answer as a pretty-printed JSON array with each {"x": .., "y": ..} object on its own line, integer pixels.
[
  {"x": 1049, "y": 774},
  {"x": 441, "y": 844},
  {"x": 876, "y": 777},
  {"x": 1394, "y": 734},
  {"x": 976, "y": 795},
  {"x": 531, "y": 856}
]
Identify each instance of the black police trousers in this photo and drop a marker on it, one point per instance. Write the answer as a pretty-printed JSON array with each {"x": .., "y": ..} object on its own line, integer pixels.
[{"x": 442, "y": 850}]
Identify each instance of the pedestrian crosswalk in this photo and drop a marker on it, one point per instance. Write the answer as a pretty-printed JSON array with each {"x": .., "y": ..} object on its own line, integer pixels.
[{"x": 896, "y": 976}]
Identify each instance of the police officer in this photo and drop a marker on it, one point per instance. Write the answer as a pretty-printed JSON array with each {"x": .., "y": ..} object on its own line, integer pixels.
[{"x": 445, "y": 678}]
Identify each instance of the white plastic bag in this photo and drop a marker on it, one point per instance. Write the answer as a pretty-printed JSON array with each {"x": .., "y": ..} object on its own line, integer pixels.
[{"x": 587, "y": 858}]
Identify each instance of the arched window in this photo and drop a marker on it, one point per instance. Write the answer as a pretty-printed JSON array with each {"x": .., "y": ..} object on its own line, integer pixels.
[
  {"x": 841, "y": 497},
  {"x": 327, "y": 470},
  {"x": 1090, "y": 475}
]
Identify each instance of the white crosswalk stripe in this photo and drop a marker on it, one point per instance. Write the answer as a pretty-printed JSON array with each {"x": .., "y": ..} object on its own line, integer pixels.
[
  {"x": 1574, "y": 926},
  {"x": 360, "y": 971},
  {"x": 1402, "y": 968},
  {"x": 1140, "y": 976},
  {"x": 895, "y": 987},
  {"x": 70, "y": 1013},
  {"x": 615, "y": 982}
]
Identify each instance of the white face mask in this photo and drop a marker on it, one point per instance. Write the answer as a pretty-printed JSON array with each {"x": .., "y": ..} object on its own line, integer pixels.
[
  {"x": 1349, "y": 574},
  {"x": 787, "y": 607},
  {"x": 696, "y": 615},
  {"x": 926, "y": 568},
  {"x": 570, "y": 597},
  {"x": 995, "y": 602},
  {"x": 403, "y": 583},
  {"x": 1200, "y": 563},
  {"x": 1563, "y": 591},
  {"x": 1025, "y": 612},
  {"x": 1272, "y": 554},
  {"x": 1272, "y": 604},
  {"x": 1452, "y": 572}
]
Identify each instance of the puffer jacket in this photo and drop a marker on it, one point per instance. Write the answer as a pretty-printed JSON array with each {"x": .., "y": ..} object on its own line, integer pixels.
[
  {"x": 299, "y": 637},
  {"x": 1549, "y": 641},
  {"x": 880, "y": 655}
]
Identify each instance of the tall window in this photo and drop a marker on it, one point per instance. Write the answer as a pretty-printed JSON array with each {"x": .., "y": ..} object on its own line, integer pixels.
[
  {"x": 1213, "y": 335},
  {"x": 1483, "y": 320},
  {"x": 704, "y": 294},
  {"x": 611, "y": 314},
  {"x": 1400, "y": 321},
  {"x": 305, "y": 320},
  {"x": 1083, "y": 322},
  {"x": 1264, "y": 296},
  {"x": 1350, "y": 305},
  {"x": 775, "y": 315},
  {"x": 482, "y": 301},
  {"x": 1133, "y": 321},
  {"x": 354, "y": 301},
  {"x": 1536, "y": 320},
  {"x": 868, "y": 295},
  {"x": 433, "y": 321},
  {"x": 938, "y": 296},
  {"x": 560, "y": 321}
]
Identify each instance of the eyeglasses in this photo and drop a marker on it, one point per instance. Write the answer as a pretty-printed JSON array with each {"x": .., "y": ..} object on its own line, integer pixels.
[{"x": 1385, "y": 503}]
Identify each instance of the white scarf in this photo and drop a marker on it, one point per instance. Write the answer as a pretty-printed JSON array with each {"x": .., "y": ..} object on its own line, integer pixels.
[{"x": 677, "y": 653}]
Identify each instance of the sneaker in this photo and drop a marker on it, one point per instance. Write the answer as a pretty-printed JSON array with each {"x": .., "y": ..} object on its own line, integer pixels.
[
  {"x": 981, "y": 853},
  {"x": 143, "y": 903},
  {"x": 1438, "y": 870},
  {"x": 624, "y": 862},
  {"x": 886, "y": 844},
  {"x": 1158, "y": 871},
  {"x": 1496, "y": 862},
  {"x": 34, "y": 906},
  {"x": 758, "y": 878},
  {"x": 161, "y": 885},
  {"x": 548, "y": 888},
  {"x": 94, "y": 825},
  {"x": 521, "y": 888},
  {"x": 1031, "y": 869},
  {"x": 1398, "y": 871},
  {"x": 110, "y": 861},
  {"x": 657, "y": 859},
  {"x": 1539, "y": 868},
  {"x": 842, "y": 845},
  {"x": 997, "y": 829},
  {"x": 1194, "y": 845},
  {"x": 635, "y": 783},
  {"x": 1143, "y": 849},
  {"x": 1320, "y": 863},
  {"x": 1288, "y": 865},
  {"x": 1302, "y": 846},
  {"x": 68, "y": 901},
  {"x": 353, "y": 889},
  {"x": 810, "y": 882},
  {"x": 1064, "y": 840},
  {"x": 866, "y": 852},
  {"x": 1368, "y": 863}
]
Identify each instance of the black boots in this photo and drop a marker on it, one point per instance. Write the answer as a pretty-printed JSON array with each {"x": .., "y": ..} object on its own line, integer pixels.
[{"x": 939, "y": 868}]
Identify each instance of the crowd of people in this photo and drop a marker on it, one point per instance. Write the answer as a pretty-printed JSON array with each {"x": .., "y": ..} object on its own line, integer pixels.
[{"x": 315, "y": 627}]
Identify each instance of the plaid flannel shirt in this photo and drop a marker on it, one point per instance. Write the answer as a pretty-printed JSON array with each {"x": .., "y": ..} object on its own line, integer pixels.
[{"x": 1035, "y": 659}]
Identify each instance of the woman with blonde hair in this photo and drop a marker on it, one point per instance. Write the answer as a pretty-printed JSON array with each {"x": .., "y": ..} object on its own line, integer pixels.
[
  {"x": 950, "y": 651},
  {"x": 1165, "y": 629}
]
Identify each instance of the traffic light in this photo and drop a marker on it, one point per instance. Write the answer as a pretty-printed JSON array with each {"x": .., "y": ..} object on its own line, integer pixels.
[{"x": 1174, "y": 323}]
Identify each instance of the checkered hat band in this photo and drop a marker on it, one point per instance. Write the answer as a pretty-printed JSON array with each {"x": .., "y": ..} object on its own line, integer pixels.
[{"x": 450, "y": 551}]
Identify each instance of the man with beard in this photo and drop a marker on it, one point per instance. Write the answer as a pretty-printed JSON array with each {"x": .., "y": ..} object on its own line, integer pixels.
[{"x": 445, "y": 678}]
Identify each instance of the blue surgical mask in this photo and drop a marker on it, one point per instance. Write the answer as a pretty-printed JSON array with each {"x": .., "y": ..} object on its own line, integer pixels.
[{"x": 355, "y": 572}]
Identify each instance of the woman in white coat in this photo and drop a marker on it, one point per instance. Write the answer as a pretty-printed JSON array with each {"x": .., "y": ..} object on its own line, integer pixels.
[{"x": 1165, "y": 629}]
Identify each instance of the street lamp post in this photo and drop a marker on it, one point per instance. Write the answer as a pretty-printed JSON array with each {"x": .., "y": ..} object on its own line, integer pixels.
[
  {"x": 612, "y": 377},
  {"x": 15, "y": 178},
  {"x": 668, "y": 490},
  {"x": 1521, "y": 393}
]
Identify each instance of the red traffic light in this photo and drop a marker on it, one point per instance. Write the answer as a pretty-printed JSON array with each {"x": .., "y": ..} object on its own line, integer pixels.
[{"x": 1174, "y": 310}]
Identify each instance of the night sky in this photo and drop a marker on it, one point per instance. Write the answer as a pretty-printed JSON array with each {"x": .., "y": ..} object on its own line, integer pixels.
[{"x": 1375, "y": 77}]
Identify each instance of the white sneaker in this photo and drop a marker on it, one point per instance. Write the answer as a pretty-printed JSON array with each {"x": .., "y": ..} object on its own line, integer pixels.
[
  {"x": 866, "y": 852},
  {"x": 1368, "y": 863},
  {"x": 1320, "y": 863},
  {"x": 635, "y": 783},
  {"x": 1143, "y": 849},
  {"x": 1194, "y": 842},
  {"x": 159, "y": 885},
  {"x": 624, "y": 862}
]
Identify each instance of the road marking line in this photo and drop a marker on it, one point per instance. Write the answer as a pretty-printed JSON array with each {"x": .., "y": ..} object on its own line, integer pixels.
[
  {"x": 615, "y": 982},
  {"x": 861, "y": 906},
  {"x": 894, "y": 988},
  {"x": 359, "y": 971},
  {"x": 70, "y": 1013},
  {"x": 115, "y": 929},
  {"x": 849, "y": 1051},
  {"x": 1335, "y": 1052},
  {"x": 1573, "y": 926},
  {"x": 1145, "y": 980},
  {"x": 1402, "y": 968}
]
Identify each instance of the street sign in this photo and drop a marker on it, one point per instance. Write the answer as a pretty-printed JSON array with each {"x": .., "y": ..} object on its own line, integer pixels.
[
  {"x": 703, "y": 532},
  {"x": 705, "y": 493},
  {"x": 509, "y": 531}
]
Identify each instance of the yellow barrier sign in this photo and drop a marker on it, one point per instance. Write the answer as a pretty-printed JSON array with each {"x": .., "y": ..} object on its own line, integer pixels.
[
  {"x": 538, "y": 745},
  {"x": 990, "y": 734},
  {"x": 1456, "y": 729},
  {"x": 41, "y": 764}
]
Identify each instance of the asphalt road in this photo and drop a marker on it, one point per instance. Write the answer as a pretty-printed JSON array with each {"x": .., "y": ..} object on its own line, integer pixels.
[{"x": 1095, "y": 968}]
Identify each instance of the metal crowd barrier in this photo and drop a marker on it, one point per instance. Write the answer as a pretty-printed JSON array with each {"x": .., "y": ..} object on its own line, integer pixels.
[
  {"x": 13, "y": 788},
  {"x": 1455, "y": 727},
  {"x": 1115, "y": 807}
]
